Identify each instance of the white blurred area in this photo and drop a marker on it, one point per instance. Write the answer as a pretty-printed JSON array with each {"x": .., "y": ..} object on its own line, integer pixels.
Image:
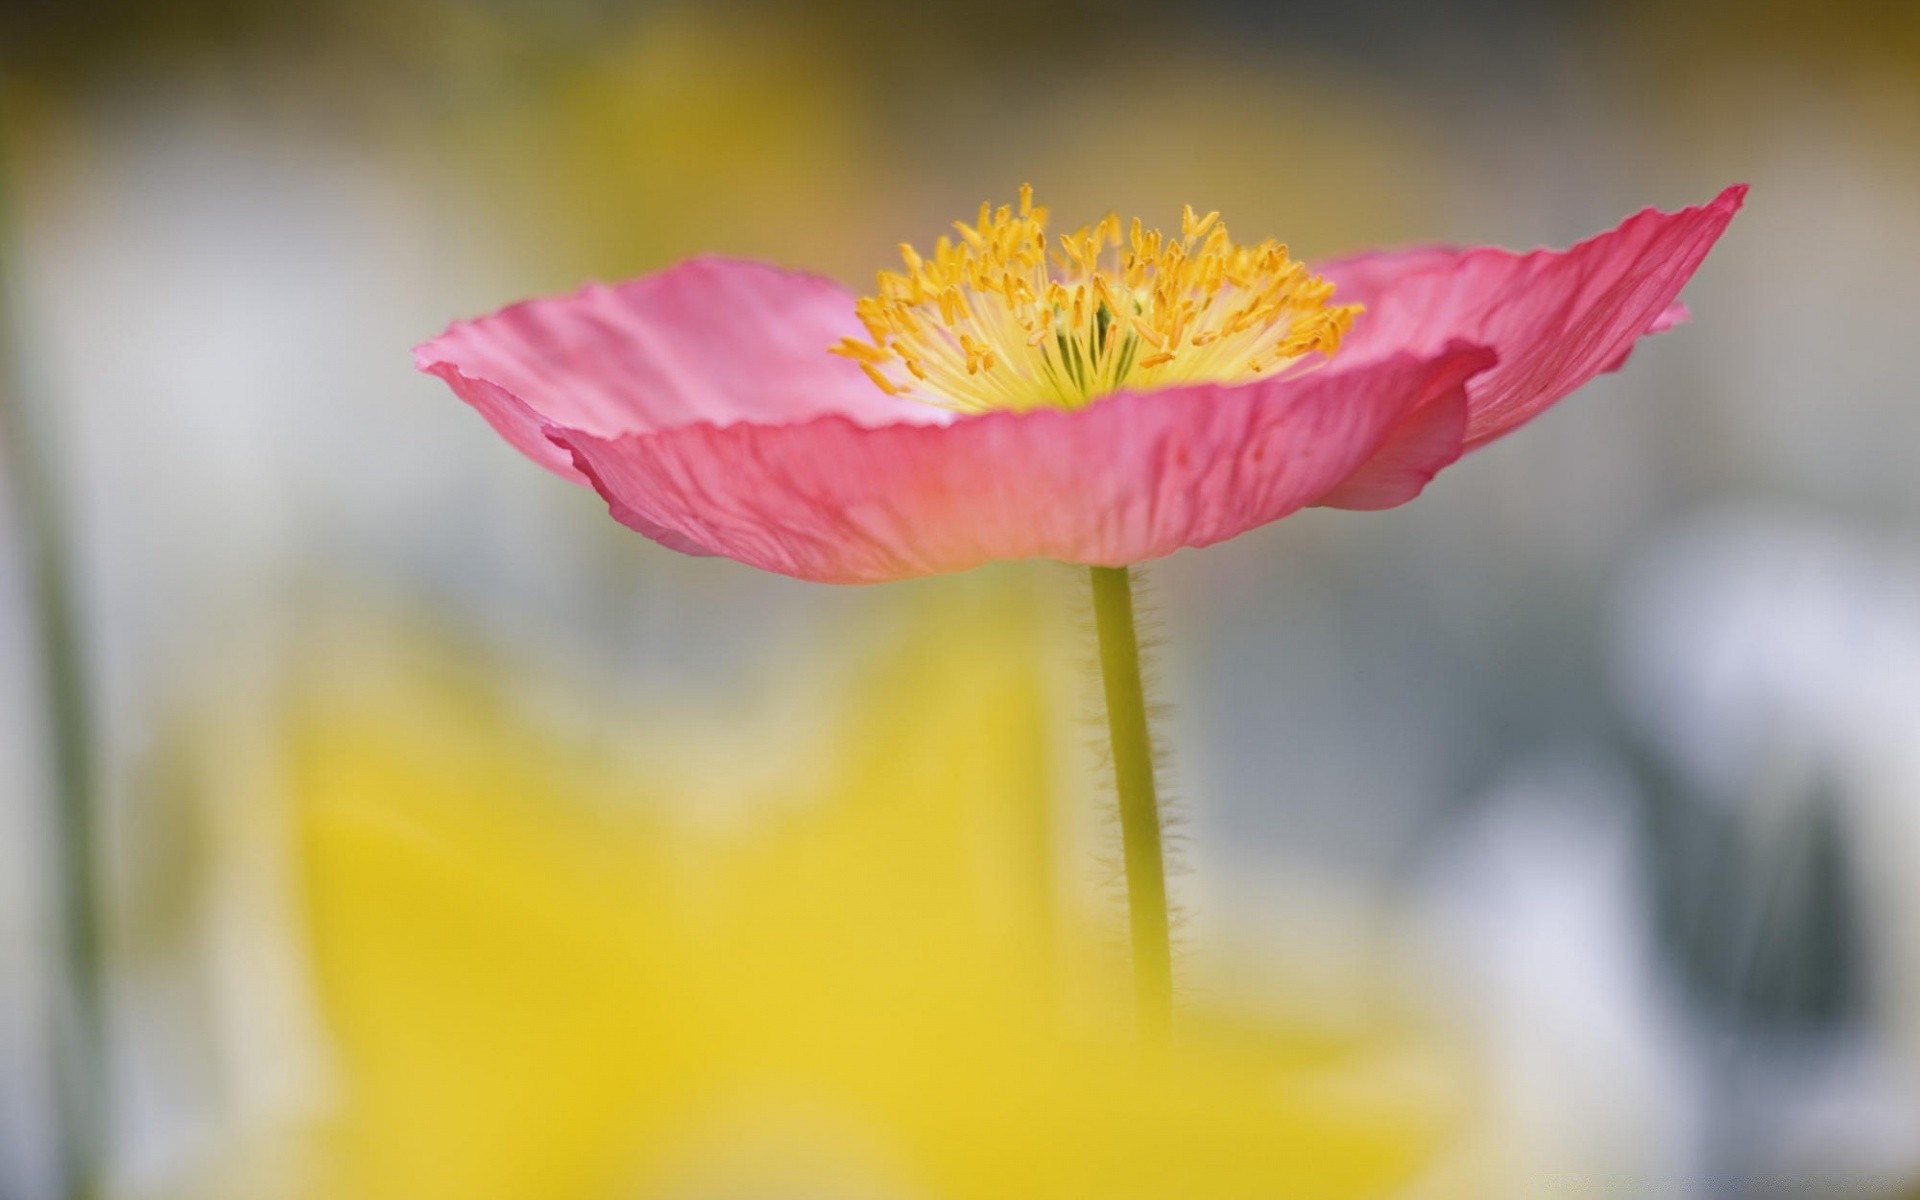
[
  {"x": 1610, "y": 745},
  {"x": 199, "y": 290}
]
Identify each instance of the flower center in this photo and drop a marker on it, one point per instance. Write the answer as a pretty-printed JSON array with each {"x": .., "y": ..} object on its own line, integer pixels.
[{"x": 996, "y": 321}]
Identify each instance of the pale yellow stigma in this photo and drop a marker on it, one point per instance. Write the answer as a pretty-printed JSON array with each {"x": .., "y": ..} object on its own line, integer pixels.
[{"x": 1000, "y": 319}]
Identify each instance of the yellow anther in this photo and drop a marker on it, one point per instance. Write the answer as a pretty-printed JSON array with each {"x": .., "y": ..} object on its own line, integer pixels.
[
  {"x": 1104, "y": 291},
  {"x": 880, "y": 381},
  {"x": 992, "y": 320},
  {"x": 848, "y": 348},
  {"x": 1192, "y": 227}
]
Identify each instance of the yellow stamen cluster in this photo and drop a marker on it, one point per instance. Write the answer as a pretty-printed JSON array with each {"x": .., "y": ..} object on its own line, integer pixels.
[{"x": 998, "y": 319}]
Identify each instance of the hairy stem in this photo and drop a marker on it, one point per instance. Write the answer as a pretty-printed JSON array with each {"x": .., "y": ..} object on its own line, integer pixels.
[{"x": 1139, "y": 801}]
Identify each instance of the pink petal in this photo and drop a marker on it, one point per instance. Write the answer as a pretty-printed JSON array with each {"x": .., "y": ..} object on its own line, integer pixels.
[
  {"x": 1132, "y": 477},
  {"x": 1415, "y": 449},
  {"x": 1555, "y": 318},
  {"x": 712, "y": 340}
]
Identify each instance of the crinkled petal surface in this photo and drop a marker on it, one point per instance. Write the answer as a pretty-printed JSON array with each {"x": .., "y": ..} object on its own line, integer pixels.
[
  {"x": 712, "y": 339},
  {"x": 1131, "y": 477},
  {"x": 1556, "y": 318}
]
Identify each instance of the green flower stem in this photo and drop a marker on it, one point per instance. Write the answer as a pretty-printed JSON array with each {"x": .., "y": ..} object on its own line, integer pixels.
[{"x": 1139, "y": 802}]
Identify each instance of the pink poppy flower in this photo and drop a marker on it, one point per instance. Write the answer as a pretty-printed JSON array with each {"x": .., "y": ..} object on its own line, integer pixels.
[{"x": 1104, "y": 399}]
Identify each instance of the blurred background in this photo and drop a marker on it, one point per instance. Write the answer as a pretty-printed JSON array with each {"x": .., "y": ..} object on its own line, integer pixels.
[{"x": 1550, "y": 836}]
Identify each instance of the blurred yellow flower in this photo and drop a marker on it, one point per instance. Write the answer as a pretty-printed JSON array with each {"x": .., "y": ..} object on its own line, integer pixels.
[
  {"x": 683, "y": 130},
  {"x": 546, "y": 976}
]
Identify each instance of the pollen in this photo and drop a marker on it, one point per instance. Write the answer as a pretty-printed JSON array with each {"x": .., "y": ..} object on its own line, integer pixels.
[{"x": 1002, "y": 317}]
